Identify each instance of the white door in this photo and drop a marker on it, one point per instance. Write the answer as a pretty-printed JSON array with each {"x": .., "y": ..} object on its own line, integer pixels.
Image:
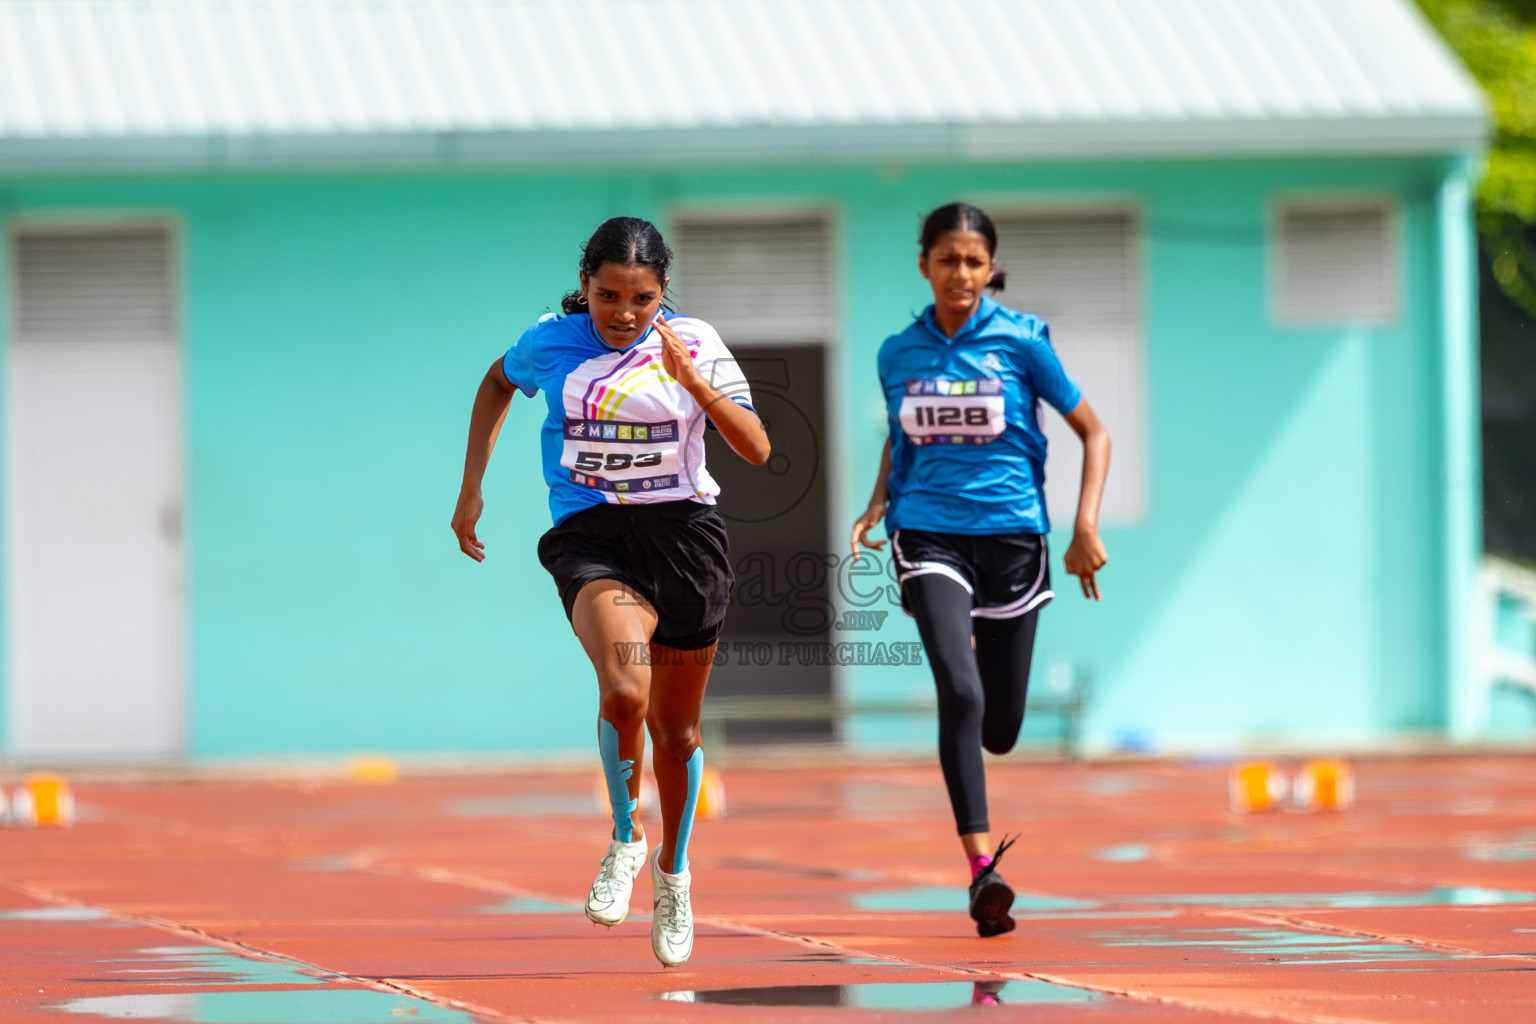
[{"x": 94, "y": 499}]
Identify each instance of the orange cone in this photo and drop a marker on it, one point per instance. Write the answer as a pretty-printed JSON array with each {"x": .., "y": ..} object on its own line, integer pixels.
[
  {"x": 53, "y": 803},
  {"x": 375, "y": 771},
  {"x": 1256, "y": 786},
  {"x": 711, "y": 795},
  {"x": 1324, "y": 785}
]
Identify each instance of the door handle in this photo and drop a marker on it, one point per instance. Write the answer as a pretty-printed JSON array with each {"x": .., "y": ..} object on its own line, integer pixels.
[{"x": 170, "y": 522}]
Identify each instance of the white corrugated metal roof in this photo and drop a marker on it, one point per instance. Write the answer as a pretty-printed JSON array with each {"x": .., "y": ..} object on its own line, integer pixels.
[{"x": 252, "y": 82}]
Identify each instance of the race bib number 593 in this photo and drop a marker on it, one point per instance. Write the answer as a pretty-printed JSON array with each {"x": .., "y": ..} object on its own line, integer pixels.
[
  {"x": 939, "y": 411},
  {"x": 610, "y": 455}
]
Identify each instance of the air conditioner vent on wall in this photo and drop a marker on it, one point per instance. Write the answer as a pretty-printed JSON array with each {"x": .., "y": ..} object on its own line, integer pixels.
[{"x": 100, "y": 284}]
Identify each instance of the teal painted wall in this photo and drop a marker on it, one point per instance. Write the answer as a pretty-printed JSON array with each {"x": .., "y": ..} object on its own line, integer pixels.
[{"x": 1283, "y": 586}]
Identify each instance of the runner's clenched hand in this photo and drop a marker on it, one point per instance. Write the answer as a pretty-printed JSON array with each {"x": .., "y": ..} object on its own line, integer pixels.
[{"x": 675, "y": 358}]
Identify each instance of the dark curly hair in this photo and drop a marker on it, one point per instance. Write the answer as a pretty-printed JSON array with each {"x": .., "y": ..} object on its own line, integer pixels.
[{"x": 627, "y": 241}]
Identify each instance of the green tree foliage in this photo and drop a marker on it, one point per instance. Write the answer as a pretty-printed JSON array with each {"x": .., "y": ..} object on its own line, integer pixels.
[{"x": 1497, "y": 41}]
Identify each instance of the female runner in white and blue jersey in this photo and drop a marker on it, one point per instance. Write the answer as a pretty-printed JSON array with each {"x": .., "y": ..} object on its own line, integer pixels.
[
  {"x": 961, "y": 487},
  {"x": 638, "y": 550}
]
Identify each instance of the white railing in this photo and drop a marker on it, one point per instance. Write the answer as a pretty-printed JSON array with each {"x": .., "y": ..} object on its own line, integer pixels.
[{"x": 1498, "y": 581}]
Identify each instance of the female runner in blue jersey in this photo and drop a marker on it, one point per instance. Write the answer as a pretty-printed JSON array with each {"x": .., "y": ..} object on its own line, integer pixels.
[
  {"x": 638, "y": 550},
  {"x": 961, "y": 488}
]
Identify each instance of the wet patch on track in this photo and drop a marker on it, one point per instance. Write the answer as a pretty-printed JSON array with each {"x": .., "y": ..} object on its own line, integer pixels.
[
  {"x": 1284, "y": 946},
  {"x": 63, "y": 914},
  {"x": 530, "y": 905},
  {"x": 953, "y": 898},
  {"x": 523, "y": 805},
  {"x": 910, "y": 995},
  {"x": 280, "y": 1006},
  {"x": 202, "y": 965}
]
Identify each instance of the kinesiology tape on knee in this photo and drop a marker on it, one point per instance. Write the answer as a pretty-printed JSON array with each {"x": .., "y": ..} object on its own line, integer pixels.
[
  {"x": 617, "y": 774},
  {"x": 685, "y": 827}
]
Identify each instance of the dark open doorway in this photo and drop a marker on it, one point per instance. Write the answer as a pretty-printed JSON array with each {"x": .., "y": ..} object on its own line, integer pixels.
[{"x": 778, "y": 524}]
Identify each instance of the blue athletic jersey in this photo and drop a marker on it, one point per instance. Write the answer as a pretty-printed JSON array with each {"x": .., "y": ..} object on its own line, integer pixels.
[
  {"x": 967, "y": 450},
  {"x": 619, "y": 429}
]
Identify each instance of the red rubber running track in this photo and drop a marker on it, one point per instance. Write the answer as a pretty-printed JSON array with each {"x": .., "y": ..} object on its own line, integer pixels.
[{"x": 830, "y": 892}]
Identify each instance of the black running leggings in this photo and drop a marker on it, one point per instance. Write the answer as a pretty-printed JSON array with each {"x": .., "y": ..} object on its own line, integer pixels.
[{"x": 981, "y": 691}]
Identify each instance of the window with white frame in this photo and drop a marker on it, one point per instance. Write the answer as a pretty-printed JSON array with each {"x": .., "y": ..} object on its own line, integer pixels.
[
  {"x": 1334, "y": 263},
  {"x": 1080, "y": 270}
]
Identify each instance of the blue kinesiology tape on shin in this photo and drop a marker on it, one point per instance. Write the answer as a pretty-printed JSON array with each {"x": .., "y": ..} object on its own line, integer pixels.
[
  {"x": 617, "y": 773},
  {"x": 685, "y": 827}
]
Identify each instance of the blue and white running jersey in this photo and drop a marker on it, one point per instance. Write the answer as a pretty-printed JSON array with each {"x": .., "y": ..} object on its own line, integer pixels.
[
  {"x": 619, "y": 429},
  {"x": 967, "y": 449}
]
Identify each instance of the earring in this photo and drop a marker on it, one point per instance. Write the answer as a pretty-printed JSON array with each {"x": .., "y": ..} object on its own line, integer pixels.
[{"x": 581, "y": 300}]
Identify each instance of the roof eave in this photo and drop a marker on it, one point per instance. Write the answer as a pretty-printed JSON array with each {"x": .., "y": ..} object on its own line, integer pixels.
[{"x": 735, "y": 146}]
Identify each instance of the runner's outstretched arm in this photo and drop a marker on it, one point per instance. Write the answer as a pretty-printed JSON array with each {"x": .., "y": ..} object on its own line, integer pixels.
[
  {"x": 1086, "y": 555},
  {"x": 876, "y": 510},
  {"x": 485, "y": 419}
]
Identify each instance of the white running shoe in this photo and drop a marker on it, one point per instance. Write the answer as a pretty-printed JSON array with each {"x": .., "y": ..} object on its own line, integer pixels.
[
  {"x": 608, "y": 902},
  {"x": 671, "y": 915}
]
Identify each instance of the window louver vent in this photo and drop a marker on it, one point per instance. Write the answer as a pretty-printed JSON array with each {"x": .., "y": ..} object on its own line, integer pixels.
[
  {"x": 102, "y": 284},
  {"x": 1080, "y": 270},
  {"x": 1336, "y": 264},
  {"x": 758, "y": 282}
]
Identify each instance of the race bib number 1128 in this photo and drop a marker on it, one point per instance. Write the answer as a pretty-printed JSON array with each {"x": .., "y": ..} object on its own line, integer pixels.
[{"x": 939, "y": 411}]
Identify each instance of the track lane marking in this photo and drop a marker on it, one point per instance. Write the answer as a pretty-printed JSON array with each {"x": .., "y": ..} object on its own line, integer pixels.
[{"x": 248, "y": 951}]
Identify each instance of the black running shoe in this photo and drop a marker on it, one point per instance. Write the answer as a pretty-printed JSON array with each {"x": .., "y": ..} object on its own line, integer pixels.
[{"x": 991, "y": 898}]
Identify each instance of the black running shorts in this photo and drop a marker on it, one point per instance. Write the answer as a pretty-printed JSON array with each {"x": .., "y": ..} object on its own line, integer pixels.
[
  {"x": 672, "y": 553},
  {"x": 1007, "y": 574}
]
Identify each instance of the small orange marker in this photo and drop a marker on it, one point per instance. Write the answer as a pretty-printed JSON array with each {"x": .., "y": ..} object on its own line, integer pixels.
[
  {"x": 1256, "y": 786},
  {"x": 1324, "y": 785},
  {"x": 373, "y": 770},
  {"x": 52, "y": 801},
  {"x": 711, "y": 795}
]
